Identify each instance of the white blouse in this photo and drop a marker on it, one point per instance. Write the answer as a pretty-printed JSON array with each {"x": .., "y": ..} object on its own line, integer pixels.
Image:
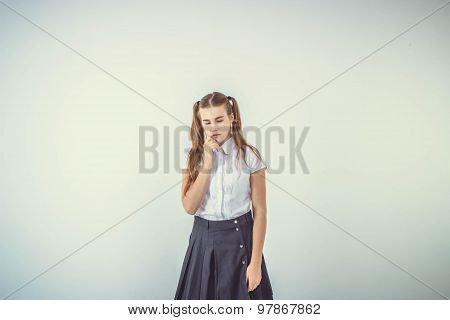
[{"x": 229, "y": 194}]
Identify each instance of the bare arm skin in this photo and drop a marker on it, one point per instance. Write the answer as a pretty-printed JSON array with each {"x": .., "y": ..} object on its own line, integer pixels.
[
  {"x": 194, "y": 196},
  {"x": 258, "y": 195}
]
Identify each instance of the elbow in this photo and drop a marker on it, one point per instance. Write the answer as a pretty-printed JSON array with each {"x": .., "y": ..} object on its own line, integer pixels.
[
  {"x": 190, "y": 211},
  {"x": 189, "y": 208}
]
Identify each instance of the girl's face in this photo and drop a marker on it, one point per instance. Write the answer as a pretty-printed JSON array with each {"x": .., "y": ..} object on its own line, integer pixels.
[{"x": 216, "y": 122}]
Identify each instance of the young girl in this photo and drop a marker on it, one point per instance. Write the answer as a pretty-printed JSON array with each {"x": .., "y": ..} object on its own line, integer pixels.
[{"x": 224, "y": 188}]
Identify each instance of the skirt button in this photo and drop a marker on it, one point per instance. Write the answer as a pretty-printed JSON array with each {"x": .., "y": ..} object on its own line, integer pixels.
[
  {"x": 237, "y": 229},
  {"x": 241, "y": 245}
]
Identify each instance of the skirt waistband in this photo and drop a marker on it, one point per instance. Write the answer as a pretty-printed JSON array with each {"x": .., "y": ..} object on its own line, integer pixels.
[{"x": 246, "y": 218}]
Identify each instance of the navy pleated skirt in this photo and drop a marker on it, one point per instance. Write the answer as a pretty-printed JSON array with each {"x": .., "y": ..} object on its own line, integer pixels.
[{"x": 216, "y": 262}]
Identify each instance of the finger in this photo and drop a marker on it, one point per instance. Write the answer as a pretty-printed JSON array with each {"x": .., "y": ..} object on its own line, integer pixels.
[
  {"x": 207, "y": 137},
  {"x": 213, "y": 148},
  {"x": 210, "y": 140},
  {"x": 212, "y": 143}
]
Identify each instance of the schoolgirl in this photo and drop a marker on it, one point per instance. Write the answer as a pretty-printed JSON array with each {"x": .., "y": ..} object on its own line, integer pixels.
[{"x": 224, "y": 189}]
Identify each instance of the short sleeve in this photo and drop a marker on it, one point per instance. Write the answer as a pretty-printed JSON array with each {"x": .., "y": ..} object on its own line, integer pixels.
[{"x": 253, "y": 161}]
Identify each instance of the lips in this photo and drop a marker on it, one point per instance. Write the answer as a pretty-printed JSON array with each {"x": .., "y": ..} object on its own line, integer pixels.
[{"x": 215, "y": 135}]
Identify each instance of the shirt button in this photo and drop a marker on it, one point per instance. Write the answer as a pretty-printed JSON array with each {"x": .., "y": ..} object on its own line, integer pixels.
[
  {"x": 241, "y": 245},
  {"x": 235, "y": 221},
  {"x": 237, "y": 229},
  {"x": 243, "y": 261}
]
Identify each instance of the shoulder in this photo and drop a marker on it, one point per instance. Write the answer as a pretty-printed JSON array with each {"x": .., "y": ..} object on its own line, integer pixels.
[
  {"x": 254, "y": 159},
  {"x": 252, "y": 151}
]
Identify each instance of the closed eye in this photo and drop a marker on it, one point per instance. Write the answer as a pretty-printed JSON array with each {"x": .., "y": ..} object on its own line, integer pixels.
[{"x": 216, "y": 121}]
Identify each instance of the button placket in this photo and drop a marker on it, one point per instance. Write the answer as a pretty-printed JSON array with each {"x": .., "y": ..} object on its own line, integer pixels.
[
  {"x": 219, "y": 183},
  {"x": 245, "y": 258},
  {"x": 227, "y": 182}
]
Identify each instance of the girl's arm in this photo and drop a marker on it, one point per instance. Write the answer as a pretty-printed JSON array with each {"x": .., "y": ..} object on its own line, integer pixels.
[
  {"x": 194, "y": 196},
  {"x": 258, "y": 195}
]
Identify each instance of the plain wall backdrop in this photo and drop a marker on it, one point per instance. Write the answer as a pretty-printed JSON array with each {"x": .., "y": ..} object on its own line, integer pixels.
[{"x": 368, "y": 220}]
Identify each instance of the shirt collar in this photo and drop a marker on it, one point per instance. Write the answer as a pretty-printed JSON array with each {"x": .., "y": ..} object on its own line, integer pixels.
[{"x": 227, "y": 146}]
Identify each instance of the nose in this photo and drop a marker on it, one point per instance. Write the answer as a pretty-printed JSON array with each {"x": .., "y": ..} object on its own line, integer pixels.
[{"x": 214, "y": 128}]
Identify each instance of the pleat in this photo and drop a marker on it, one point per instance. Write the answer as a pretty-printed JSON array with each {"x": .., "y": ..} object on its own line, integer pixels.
[
  {"x": 185, "y": 269},
  {"x": 197, "y": 279},
  {"x": 231, "y": 270},
  {"x": 215, "y": 266},
  {"x": 191, "y": 290},
  {"x": 208, "y": 274}
]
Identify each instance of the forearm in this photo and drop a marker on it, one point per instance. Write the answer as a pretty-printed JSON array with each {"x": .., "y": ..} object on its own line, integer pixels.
[
  {"x": 197, "y": 190},
  {"x": 259, "y": 234}
]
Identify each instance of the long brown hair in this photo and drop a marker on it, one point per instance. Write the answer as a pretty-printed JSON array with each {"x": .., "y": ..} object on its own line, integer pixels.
[{"x": 213, "y": 100}]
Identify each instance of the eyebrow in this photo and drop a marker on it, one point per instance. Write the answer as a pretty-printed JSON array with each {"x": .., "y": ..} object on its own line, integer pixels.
[{"x": 215, "y": 119}]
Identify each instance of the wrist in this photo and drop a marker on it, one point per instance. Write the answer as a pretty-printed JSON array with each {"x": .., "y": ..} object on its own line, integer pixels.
[
  {"x": 257, "y": 261},
  {"x": 206, "y": 168},
  {"x": 207, "y": 163}
]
